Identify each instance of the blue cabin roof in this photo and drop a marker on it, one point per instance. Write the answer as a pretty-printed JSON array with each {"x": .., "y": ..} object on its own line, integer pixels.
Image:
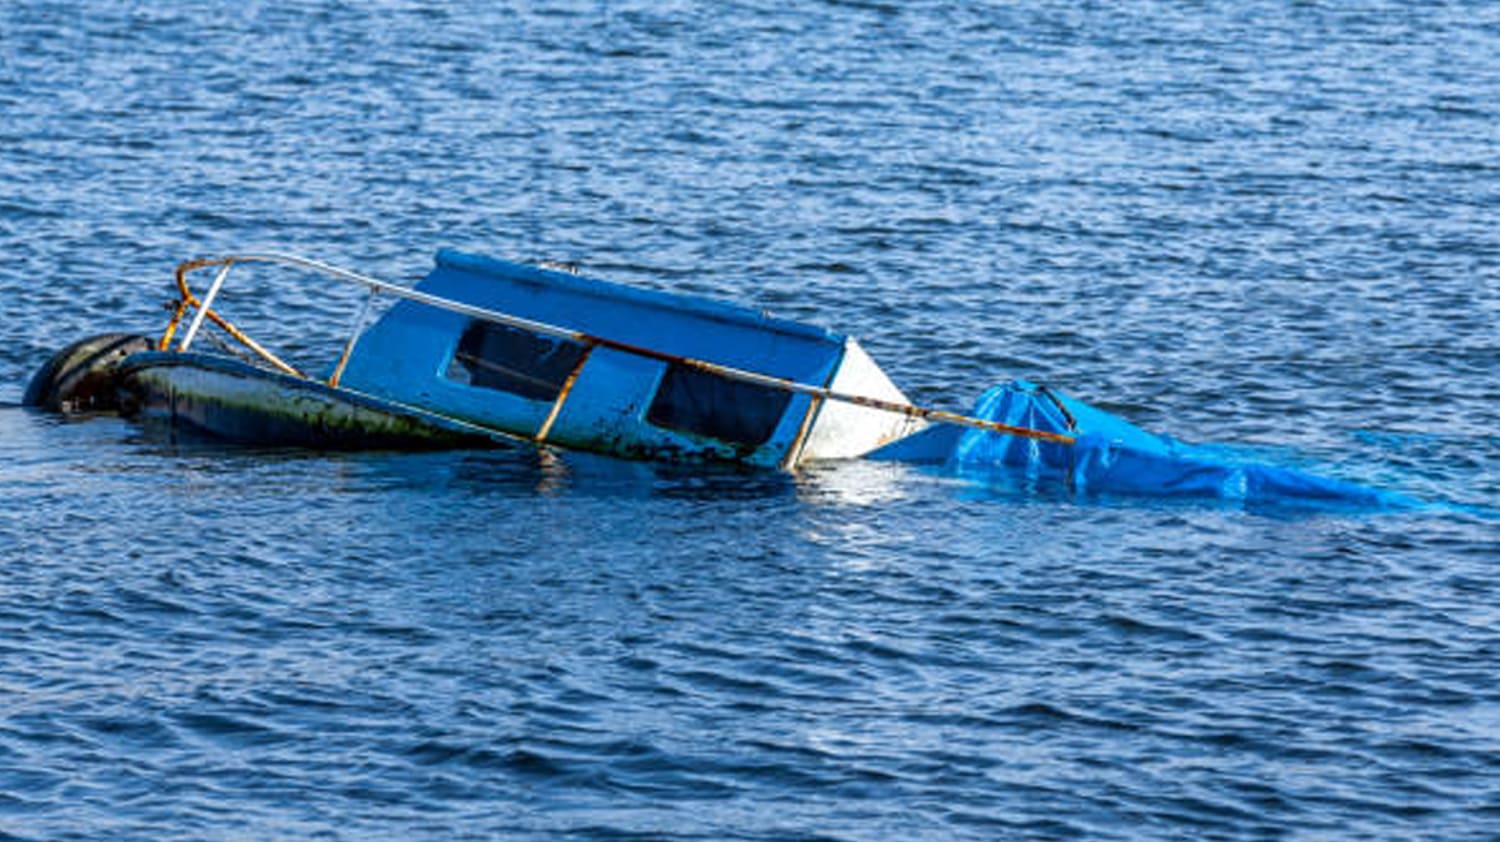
[{"x": 673, "y": 323}]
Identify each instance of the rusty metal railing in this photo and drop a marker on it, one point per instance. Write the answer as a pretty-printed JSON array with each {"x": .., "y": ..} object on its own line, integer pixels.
[{"x": 204, "y": 311}]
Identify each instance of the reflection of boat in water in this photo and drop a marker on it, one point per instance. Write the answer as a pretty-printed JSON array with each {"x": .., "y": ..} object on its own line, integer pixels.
[{"x": 485, "y": 352}]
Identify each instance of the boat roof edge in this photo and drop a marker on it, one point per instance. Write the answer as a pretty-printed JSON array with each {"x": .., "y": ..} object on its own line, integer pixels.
[{"x": 681, "y": 302}]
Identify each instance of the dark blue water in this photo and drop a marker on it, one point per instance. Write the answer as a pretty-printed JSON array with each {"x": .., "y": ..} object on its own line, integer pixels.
[{"x": 1266, "y": 223}]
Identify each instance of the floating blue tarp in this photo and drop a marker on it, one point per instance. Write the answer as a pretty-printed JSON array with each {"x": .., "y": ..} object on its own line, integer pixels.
[{"x": 1113, "y": 456}]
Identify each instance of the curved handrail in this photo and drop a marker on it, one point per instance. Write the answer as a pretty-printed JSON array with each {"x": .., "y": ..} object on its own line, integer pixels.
[{"x": 377, "y": 286}]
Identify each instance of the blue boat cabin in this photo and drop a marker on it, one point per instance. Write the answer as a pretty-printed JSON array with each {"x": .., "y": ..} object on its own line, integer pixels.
[{"x": 636, "y": 395}]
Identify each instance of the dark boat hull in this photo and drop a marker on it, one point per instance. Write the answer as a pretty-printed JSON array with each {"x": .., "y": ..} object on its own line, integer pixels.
[{"x": 231, "y": 400}]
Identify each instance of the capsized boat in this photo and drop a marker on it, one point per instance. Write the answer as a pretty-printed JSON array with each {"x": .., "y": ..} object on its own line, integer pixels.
[{"x": 486, "y": 352}]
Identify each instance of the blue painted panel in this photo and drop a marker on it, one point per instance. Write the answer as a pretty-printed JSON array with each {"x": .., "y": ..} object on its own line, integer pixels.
[
  {"x": 607, "y": 401},
  {"x": 404, "y": 357},
  {"x": 607, "y": 407},
  {"x": 404, "y": 351}
]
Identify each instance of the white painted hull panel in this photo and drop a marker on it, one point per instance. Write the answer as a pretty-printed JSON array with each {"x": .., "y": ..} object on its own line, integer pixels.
[{"x": 847, "y": 431}]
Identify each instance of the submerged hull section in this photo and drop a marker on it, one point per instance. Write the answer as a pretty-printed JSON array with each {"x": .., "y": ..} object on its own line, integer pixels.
[{"x": 223, "y": 398}]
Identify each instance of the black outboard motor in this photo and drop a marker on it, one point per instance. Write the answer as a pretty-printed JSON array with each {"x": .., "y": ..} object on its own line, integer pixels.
[{"x": 81, "y": 377}]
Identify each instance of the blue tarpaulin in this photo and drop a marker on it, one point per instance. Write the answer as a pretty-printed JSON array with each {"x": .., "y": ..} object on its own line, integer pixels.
[{"x": 1112, "y": 456}]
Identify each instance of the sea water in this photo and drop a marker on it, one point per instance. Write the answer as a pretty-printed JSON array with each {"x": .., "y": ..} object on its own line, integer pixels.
[{"x": 1267, "y": 223}]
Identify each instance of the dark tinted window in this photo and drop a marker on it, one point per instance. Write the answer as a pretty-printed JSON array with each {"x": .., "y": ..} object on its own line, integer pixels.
[
  {"x": 517, "y": 361},
  {"x": 706, "y": 404}
]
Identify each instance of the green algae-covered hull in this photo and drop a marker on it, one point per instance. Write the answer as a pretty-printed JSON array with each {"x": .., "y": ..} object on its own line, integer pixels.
[{"x": 228, "y": 399}]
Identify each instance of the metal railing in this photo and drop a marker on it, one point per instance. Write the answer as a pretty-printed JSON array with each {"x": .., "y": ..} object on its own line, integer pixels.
[{"x": 204, "y": 311}]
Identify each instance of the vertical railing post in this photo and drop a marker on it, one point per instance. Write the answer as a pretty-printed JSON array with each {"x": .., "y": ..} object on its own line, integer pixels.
[{"x": 354, "y": 329}]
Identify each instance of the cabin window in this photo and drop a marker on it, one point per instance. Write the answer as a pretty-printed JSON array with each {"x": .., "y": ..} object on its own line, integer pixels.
[
  {"x": 495, "y": 356},
  {"x": 694, "y": 401}
]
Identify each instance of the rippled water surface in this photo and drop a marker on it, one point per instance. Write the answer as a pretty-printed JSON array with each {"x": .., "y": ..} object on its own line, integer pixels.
[{"x": 1268, "y": 223}]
